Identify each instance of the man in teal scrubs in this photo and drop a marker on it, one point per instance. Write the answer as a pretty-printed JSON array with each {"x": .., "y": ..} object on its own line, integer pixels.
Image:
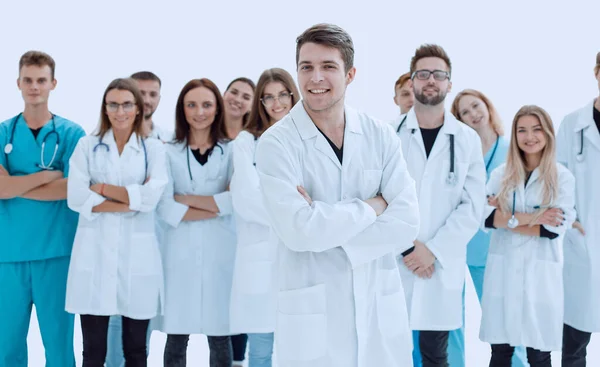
[{"x": 37, "y": 226}]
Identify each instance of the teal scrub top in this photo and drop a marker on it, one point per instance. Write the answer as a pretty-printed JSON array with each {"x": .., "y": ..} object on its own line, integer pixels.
[
  {"x": 477, "y": 249},
  {"x": 36, "y": 230}
]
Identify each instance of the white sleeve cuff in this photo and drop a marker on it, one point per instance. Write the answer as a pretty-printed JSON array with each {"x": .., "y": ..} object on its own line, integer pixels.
[
  {"x": 90, "y": 203},
  {"x": 223, "y": 201},
  {"x": 135, "y": 197}
]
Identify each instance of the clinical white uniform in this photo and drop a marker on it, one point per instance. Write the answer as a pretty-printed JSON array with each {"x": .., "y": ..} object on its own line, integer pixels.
[
  {"x": 254, "y": 290},
  {"x": 582, "y": 253},
  {"x": 522, "y": 301},
  {"x": 340, "y": 300},
  {"x": 450, "y": 216},
  {"x": 198, "y": 255},
  {"x": 115, "y": 266}
]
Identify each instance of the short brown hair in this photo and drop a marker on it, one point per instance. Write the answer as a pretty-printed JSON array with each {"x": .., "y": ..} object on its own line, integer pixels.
[
  {"x": 127, "y": 84},
  {"x": 402, "y": 80},
  {"x": 182, "y": 127},
  {"x": 147, "y": 76},
  {"x": 329, "y": 35},
  {"x": 429, "y": 50},
  {"x": 597, "y": 68},
  {"x": 37, "y": 58},
  {"x": 259, "y": 119}
]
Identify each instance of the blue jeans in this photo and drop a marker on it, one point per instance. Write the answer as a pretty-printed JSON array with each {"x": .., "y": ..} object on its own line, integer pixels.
[
  {"x": 114, "y": 353},
  {"x": 456, "y": 339},
  {"x": 261, "y": 349}
]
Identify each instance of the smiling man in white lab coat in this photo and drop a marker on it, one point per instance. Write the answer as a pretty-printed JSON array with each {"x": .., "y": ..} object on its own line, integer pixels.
[
  {"x": 341, "y": 201},
  {"x": 444, "y": 157},
  {"x": 578, "y": 148}
]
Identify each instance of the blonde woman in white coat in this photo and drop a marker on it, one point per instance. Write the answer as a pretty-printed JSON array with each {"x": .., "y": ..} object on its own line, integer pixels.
[
  {"x": 199, "y": 244},
  {"x": 578, "y": 148},
  {"x": 116, "y": 180},
  {"x": 530, "y": 205},
  {"x": 254, "y": 291}
]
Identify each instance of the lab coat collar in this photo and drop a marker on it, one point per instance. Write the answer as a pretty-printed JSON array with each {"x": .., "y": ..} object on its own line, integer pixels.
[
  {"x": 449, "y": 127},
  {"x": 585, "y": 122},
  {"x": 133, "y": 142},
  {"x": 586, "y": 117},
  {"x": 307, "y": 128}
]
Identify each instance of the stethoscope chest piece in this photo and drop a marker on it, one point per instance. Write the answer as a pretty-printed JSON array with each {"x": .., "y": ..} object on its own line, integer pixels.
[
  {"x": 578, "y": 157},
  {"x": 451, "y": 179},
  {"x": 8, "y": 148},
  {"x": 513, "y": 222}
]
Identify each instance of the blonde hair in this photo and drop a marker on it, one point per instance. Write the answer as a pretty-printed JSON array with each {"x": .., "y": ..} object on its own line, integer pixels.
[
  {"x": 515, "y": 172},
  {"x": 495, "y": 120}
]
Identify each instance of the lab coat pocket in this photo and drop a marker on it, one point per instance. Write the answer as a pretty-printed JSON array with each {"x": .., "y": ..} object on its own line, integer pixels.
[
  {"x": 390, "y": 303},
  {"x": 574, "y": 246},
  {"x": 302, "y": 324},
  {"x": 547, "y": 284},
  {"x": 371, "y": 183},
  {"x": 453, "y": 274}
]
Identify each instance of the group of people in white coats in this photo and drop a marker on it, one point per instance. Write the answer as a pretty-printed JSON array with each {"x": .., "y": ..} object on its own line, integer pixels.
[{"x": 319, "y": 232}]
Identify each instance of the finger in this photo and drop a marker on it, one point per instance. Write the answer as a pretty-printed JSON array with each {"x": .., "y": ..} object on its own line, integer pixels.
[
  {"x": 301, "y": 190},
  {"x": 413, "y": 267}
]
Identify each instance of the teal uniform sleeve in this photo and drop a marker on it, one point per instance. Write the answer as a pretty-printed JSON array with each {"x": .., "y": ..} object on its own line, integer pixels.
[
  {"x": 72, "y": 136},
  {"x": 3, "y": 142}
]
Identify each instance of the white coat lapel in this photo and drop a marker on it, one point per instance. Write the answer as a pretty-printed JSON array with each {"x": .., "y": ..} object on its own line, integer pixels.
[
  {"x": 586, "y": 123},
  {"x": 415, "y": 138},
  {"x": 442, "y": 141},
  {"x": 308, "y": 130},
  {"x": 352, "y": 136}
]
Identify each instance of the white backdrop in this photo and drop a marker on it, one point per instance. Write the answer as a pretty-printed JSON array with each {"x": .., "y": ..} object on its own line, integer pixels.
[{"x": 517, "y": 52}]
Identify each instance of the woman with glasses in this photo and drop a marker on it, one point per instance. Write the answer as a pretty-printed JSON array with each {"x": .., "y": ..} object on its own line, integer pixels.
[
  {"x": 254, "y": 291},
  {"x": 116, "y": 180},
  {"x": 530, "y": 206},
  {"x": 199, "y": 242},
  {"x": 477, "y": 111}
]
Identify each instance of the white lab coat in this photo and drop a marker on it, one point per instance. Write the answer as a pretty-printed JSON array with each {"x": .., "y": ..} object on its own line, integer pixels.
[
  {"x": 115, "y": 265},
  {"x": 254, "y": 290},
  {"x": 198, "y": 255},
  {"x": 450, "y": 217},
  {"x": 522, "y": 302},
  {"x": 340, "y": 300},
  {"x": 582, "y": 253}
]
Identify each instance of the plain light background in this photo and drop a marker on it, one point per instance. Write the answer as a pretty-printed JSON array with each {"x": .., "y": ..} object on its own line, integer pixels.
[{"x": 516, "y": 52}]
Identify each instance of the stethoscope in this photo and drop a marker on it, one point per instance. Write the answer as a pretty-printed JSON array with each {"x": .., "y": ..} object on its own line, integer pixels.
[
  {"x": 102, "y": 144},
  {"x": 513, "y": 222},
  {"x": 580, "y": 157},
  {"x": 451, "y": 178},
  {"x": 489, "y": 163},
  {"x": 188, "y": 159},
  {"x": 9, "y": 147}
]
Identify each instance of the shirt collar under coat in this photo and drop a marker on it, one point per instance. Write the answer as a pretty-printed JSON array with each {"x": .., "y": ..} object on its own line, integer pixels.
[
  {"x": 585, "y": 122},
  {"x": 449, "y": 127},
  {"x": 308, "y": 130}
]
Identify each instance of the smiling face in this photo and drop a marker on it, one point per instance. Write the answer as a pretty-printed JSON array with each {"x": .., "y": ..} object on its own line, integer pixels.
[
  {"x": 431, "y": 92},
  {"x": 473, "y": 112},
  {"x": 531, "y": 138},
  {"x": 321, "y": 77},
  {"x": 276, "y": 100},
  {"x": 35, "y": 83},
  {"x": 200, "y": 108},
  {"x": 238, "y": 99},
  {"x": 121, "y": 109}
]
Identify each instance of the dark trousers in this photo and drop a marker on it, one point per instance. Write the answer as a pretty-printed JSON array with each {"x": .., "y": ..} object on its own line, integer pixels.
[
  {"x": 574, "y": 348},
  {"x": 434, "y": 348},
  {"x": 94, "y": 330},
  {"x": 502, "y": 356},
  {"x": 239, "y": 343},
  {"x": 175, "y": 355}
]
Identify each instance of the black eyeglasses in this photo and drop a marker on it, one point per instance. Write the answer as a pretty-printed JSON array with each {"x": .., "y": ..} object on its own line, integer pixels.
[{"x": 439, "y": 75}]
